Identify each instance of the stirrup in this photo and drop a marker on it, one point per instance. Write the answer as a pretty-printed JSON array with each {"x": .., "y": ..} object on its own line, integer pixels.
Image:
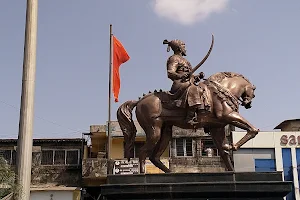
[{"x": 192, "y": 121}]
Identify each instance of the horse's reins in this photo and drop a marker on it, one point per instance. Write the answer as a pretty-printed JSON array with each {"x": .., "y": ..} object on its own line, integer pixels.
[{"x": 219, "y": 85}]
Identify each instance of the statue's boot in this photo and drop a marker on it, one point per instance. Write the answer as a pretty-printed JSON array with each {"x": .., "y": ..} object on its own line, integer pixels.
[{"x": 191, "y": 117}]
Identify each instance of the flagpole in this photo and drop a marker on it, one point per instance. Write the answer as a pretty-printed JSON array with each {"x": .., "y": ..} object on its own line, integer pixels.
[
  {"x": 24, "y": 145},
  {"x": 109, "y": 93}
]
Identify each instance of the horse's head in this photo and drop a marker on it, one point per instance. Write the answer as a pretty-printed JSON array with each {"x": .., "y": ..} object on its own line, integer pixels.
[
  {"x": 248, "y": 95},
  {"x": 236, "y": 84}
]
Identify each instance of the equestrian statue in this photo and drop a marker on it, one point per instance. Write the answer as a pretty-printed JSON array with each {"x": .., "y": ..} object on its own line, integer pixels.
[{"x": 193, "y": 102}]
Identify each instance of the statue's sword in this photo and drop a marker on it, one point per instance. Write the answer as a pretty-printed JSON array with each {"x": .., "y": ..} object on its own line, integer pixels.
[{"x": 204, "y": 59}]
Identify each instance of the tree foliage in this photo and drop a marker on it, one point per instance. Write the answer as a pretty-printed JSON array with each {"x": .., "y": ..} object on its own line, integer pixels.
[{"x": 7, "y": 179}]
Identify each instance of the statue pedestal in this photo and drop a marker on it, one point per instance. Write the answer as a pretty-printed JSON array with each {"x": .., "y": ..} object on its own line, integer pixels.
[{"x": 206, "y": 186}]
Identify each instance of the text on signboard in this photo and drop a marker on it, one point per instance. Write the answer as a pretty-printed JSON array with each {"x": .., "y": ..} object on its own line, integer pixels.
[{"x": 291, "y": 140}]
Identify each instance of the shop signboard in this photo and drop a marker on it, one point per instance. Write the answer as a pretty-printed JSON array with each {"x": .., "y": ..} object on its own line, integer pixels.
[{"x": 126, "y": 167}]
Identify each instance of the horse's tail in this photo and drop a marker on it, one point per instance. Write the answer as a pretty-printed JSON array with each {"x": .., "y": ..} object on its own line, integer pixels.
[{"x": 124, "y": 115}]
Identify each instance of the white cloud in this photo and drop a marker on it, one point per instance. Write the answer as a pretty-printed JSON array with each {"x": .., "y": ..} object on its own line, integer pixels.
[{"x": 188, "y": 12}]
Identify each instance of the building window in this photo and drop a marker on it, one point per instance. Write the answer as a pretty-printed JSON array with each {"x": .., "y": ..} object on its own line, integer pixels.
[
  {"x": 209, "y": 148},
  {"x": 60, "y": 157},
  {"x": 298, "y": 164},
  {"x": 136, "y": 149},
  {"x": 9, "y": 156},
  {"x": 184, "y": 146},
  {"x": 72, "y": 157},
  {"x": 288, "y": 170},
  {"x": 47, "y": 157},
  {"x": 265, "y": 165}
]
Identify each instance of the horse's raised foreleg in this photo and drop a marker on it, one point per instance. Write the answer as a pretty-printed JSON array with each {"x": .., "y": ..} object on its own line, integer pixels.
[
  {"x": 225, "y": 113},
  {"x": 218, "y": 136},
  {"x": 237, "y": 120},
  {"x": 153, "y": 134},
  {"x": 160, "y": 147}
]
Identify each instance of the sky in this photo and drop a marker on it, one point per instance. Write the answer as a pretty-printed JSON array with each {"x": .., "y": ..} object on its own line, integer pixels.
[{"x": 259, "y": 39}]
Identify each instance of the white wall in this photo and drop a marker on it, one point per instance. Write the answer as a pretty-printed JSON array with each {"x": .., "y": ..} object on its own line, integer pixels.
[
  {"x": 262, "y": 140},
  {"x": 46, "y": 195},
  {"x": 268, "y": 139},
  {"x": 244, "y": 159}
]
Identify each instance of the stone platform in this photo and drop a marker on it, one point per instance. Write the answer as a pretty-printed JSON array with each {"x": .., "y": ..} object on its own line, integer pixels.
[{"x": 208, "y": 186}]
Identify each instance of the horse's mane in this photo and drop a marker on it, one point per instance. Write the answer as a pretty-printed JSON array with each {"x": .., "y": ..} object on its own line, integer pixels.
[{"x": 218, "y": 77}]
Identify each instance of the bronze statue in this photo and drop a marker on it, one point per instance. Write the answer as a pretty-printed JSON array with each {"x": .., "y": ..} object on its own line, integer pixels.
[{"x": 191, "y": 103}]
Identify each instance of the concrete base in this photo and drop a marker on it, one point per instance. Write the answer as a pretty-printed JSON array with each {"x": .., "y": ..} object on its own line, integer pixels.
[{"x": 208, "y": 186}]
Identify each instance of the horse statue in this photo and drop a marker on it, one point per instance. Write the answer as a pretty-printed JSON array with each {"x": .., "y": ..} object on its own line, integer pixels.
[
  {"x": 190, "y": 104},
  {"x": 225, "y": 91}
]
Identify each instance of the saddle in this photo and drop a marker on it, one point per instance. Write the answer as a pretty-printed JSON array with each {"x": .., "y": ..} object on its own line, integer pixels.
[{"x": 174, "y": 100}]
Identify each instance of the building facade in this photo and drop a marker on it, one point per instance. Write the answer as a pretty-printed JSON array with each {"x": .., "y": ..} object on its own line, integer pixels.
[
  {"x": 273, "y": 151},
  {"x": 56, "y": 166}
]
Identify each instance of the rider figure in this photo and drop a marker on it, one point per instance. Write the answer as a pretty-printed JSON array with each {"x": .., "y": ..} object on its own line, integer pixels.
[{"x": 179, "y": 69}]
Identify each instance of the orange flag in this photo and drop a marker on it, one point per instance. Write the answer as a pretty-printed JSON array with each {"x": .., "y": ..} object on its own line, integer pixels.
[{"x": 120, "y": 56}]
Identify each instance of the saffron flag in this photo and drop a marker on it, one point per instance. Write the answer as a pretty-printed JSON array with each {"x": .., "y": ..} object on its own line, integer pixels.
[{"x": 120, "y": 56}]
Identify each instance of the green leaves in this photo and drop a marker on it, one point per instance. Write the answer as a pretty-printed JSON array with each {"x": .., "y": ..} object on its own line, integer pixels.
[{"x": 7, "y": 179}]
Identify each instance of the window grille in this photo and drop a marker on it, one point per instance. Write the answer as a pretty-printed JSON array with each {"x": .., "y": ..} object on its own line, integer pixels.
[
  {"x": 184, "y": 147},
  {"x": 60, "y": 157}
]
